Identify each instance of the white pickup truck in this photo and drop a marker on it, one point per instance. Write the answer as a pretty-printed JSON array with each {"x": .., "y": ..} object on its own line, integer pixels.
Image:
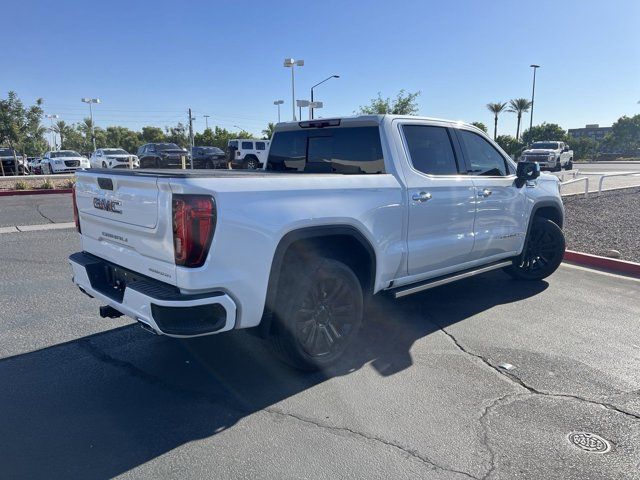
[
  {"x": 550, "y": 155},
  {"x": 348, "y": 208}
]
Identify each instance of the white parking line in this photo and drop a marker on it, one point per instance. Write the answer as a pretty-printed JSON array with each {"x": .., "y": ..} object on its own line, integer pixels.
[{"x": 35, "y": 228}]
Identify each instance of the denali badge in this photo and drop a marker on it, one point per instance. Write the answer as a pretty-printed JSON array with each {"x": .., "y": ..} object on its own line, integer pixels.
[{"x": 107, "y": 205}]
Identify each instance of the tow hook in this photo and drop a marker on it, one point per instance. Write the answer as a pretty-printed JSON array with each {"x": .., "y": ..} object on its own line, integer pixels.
[{"x": 107, "y": 311}]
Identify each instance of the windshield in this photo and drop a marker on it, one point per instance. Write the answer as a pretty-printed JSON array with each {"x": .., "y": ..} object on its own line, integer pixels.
[
  {"x": 114, "y": 151},
  {"x": 65, "y": 153},
  {"x": 168, "y": 146},
  {"x": 545, "y": 145},
  {"x": 212, "y": 150}
]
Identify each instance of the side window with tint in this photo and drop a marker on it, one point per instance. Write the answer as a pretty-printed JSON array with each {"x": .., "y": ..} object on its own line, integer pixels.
[
  {"x": 353, "y": 150},
  {"x": 483, "y": 157},
  {"x": 259, "y": 145},
  {"x": 430, "y": 149},
  {"x": 247, "y": 145}
]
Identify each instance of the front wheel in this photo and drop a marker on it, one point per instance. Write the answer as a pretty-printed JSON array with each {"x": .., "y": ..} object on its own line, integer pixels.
[
  {"x": 542, "y": 254},
  {"x": 320, "y": 308},
  {"x": 569, "y": 165},
  {"x": 558, "y": 166}
]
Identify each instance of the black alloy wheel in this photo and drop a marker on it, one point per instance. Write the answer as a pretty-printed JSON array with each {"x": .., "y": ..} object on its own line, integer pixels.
[{"x": 542, "y": 254}]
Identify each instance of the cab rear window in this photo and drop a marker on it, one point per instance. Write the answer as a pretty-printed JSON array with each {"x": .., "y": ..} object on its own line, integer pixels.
[{"x": 355, "y": 150}]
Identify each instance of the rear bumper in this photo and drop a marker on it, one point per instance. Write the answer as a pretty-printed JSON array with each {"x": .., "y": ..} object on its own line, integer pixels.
[{"x": 160, "y": 306}]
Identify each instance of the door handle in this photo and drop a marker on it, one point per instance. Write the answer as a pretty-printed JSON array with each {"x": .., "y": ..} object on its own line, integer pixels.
[
  {"x": 484, "y": 193},
  {"x": 421, "y": 197}
]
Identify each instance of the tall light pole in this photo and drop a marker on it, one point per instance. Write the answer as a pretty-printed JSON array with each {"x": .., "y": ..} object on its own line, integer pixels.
[
  {"x": 91, "y": 101},
  {"x": 533, "y": 94},
  {"x": 53, "y": 134},
  {"x": 320, "y": 83},
  {"x": 278, "y": 103},
  {"x": 206, "y": 121},
  {"x": 290, "y": 62}
]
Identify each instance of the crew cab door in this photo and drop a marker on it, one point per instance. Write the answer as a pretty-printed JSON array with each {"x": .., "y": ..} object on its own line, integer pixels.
[
  {"x": 500, "y": 225},
  {"x": 441, "y": 200}
]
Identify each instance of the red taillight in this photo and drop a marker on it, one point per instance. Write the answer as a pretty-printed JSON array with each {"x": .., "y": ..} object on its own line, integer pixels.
[
  {"x": 76, "y": 216},
  {"x": 194, "y": 221}
]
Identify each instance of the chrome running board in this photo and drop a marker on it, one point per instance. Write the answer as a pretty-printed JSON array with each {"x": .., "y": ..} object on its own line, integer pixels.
[{"x": 453, "y": 277}]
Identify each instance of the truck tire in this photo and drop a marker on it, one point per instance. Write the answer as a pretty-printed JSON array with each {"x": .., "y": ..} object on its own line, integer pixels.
[
  {"x": 251, "y": 163},
  {"x": 319, "y": 312},
  {"x": 569, "y": 164},
  {"x": 542, "y": 254},
  {"x": 558, "y": 166}
]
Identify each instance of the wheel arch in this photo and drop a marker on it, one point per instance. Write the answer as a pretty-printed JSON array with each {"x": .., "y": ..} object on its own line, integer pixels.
[
  {"x": 547, "y": 209},
  {"x": 344, "y": 243}
]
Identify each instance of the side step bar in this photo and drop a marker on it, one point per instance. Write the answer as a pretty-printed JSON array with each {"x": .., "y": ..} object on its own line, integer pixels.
[{"x": 453, "y": 277}]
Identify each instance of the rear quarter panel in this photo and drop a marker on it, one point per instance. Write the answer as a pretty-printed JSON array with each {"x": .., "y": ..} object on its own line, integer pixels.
[{"x": 253, "y": 220}]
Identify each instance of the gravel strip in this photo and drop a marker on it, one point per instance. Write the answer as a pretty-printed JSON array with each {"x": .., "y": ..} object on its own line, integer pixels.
[{"x": 610, "y": 221}]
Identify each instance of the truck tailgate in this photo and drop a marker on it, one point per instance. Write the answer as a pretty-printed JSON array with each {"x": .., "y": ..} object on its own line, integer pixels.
[{"x": 127, "y": 220}]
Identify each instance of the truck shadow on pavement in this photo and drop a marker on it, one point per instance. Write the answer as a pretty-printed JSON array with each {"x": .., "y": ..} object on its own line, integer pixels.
[{"x": 102, "y": 405}]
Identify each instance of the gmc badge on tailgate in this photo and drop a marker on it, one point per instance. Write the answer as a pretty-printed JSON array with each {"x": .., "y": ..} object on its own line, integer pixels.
[{"x": 107, "y": 205}]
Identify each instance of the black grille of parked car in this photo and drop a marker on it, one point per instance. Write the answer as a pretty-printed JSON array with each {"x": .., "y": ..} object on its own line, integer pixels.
[{"x": 72, "y": 163}]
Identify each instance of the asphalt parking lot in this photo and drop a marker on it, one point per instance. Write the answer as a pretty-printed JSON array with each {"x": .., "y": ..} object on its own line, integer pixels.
[{"x": 422, "y": 394}]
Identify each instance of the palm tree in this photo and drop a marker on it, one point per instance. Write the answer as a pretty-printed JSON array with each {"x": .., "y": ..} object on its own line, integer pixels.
[
  {"x": 61, "y": 127},
  {"x": 519, "y": 106},
  {"x": 496, "y": 109},
  {"x": 268, "y": 132}
]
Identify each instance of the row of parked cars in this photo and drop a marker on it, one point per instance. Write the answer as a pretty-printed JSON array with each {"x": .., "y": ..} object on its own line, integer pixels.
[{"x": 241, "y": 153}]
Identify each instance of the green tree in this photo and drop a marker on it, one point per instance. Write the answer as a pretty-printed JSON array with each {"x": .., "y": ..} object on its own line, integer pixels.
[
  {"x": 75, "y": 139},
  {"x": 583, "y": 147},
  {"x": 204, "y": 139},
  {"x": 625, "y": 135},
  {"x": 122, "y": 137},
  {"x": 510, "y": 145},
  {"x": 152, "y": 135},
  {"x": 267, "y": 133},
  {"x": 177, "y": 135},
  {"x": 546, "y": 131},
  {"x": 20, "y": 127},
  {"x": 496, "y": 109},
  {"x": 61, "y": 128},
  {"x": 519, "y": 106},
  {"x": 480, "y": 125},
  {"x": 404, "y": 104}
]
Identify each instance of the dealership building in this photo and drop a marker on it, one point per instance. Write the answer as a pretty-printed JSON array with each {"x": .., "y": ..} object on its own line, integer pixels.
[{"x": 594, "y": 131}]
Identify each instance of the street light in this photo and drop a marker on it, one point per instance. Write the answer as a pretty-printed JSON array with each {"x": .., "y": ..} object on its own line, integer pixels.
[
  {"x": 300, "y": 104},
  {"x": 206, "y": 121},
  {"x": 533, "y": 93},
  {"x": 320, "y": 83},
  {"x": 90, "y": 101},
  {"x": 53, "y": 135},
  {"x": 290, "y": 62},
  {"x": 278, "y": 103}
]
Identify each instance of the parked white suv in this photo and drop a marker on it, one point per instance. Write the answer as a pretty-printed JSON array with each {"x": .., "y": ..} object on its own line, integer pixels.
[
  {"x": 550, "y": 155},
  {"x": 350, "y": 207},
  {"x": 113, "y": 158},
  {"x": 63, "y": 161},
  {"x": 247, "y": 153}
]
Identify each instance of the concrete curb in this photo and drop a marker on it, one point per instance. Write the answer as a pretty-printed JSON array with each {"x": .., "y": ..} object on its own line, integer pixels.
[
  {"x": 9, "y": 193},
  {"x": 602, "y": 263}
]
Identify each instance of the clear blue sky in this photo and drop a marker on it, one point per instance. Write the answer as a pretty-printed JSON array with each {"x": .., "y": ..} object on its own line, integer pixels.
[{"x": 148, "y": 61}]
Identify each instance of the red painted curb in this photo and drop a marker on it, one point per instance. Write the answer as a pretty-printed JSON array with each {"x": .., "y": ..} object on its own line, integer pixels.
[
  {"x": 604, "y": 263},
  {"x": 8, "y": 193}
]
